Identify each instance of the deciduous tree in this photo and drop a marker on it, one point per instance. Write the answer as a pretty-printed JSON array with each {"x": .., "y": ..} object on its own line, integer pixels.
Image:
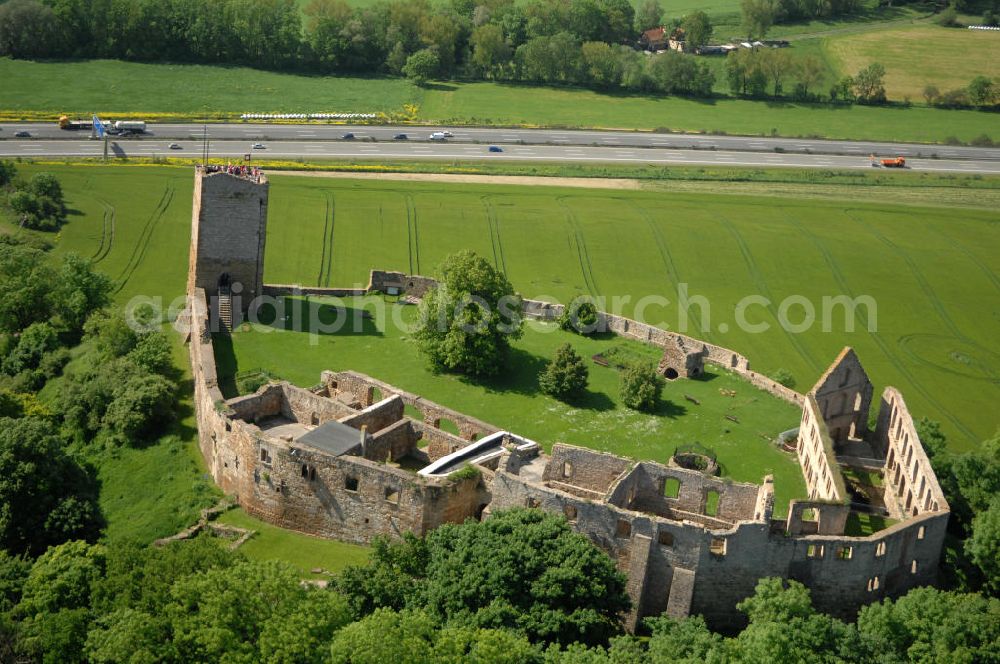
[
  {"x": 468, "y": 322},
  {"x": 640, "y": 387}
]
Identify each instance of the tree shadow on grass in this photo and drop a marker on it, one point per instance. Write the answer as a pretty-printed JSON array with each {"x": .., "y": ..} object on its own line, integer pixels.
[
  {"x": 294, "y": 314},
  {"x": 590, "y": 400},
  {"x": 518, "y": 376},
  {"x": 667, "y": 408},
  {"x": 443, "y": 87},
  {"x": 184, "y": 411}
]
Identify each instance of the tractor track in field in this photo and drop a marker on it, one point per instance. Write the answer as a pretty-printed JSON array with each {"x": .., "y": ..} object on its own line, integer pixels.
[
  {"x": 668, "y": 260},
  {"x": 918, "y": 274},
  {"x": 972, "y": 257},
  {"x": 107, "y": 232},
  {"x": 412, "y": 234},
  {"x": 841, "y": 280},
  {"x": 576, "y": 233},
  {"x": 925, "y": 285},
  {"x": 493, "y": 222},
  {"x": 142, "y": 243},
  {"x": 761, "y": 283},
  {"x": 326, "y": 230}
]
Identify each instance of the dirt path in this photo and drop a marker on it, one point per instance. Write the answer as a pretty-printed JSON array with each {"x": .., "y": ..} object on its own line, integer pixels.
[
  {"x": 459, "y": 178},
  {"x": 923, "y": 196}
]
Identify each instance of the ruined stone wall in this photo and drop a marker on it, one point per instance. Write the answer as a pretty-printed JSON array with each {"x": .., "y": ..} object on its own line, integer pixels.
[
  {"x": 826, "y": 518},
  {"x": 438, "y": 443},
  {"x": 816, "y": 456},
  {"x": 378, "y": 415},
  {"x": 685, "y": 569},
  {"x": 364, "y": 387},
  {"x": 844, "y": 395},
  {"x": 306, "y": 407},
  {"x": 381, "y": 281},
  {"x": 911, "y": 487},
  {"x": 461, "y": 500},
  {"x": 586, "y": 469},
  {"x": 393, "y": 442},
  {"x": 626, "y": 327},
  {"x": 736, "y": 501},
  {"x": 281, "y": 290},
  {"x": 229, "y": 221},
  {"x": 266, "y": 402}
]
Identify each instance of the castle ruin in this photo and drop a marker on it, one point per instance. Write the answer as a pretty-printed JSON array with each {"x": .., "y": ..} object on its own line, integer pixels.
[{"x": 353, "y": 458}]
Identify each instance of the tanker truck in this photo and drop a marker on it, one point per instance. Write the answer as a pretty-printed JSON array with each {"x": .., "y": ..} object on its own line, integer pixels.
[{"x": 130, "y": 126}]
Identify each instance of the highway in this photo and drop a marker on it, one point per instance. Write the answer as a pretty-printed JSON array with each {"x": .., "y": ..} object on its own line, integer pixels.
[{"x": 318, "y": 141}]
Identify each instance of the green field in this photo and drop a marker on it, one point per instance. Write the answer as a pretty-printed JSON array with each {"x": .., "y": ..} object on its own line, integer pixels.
[
  {"x": 932, "y": 271},
  {"x": 108, "y": 86},
  {"x": 45, "y": 90},
  {"x": 949, "y": 58}
]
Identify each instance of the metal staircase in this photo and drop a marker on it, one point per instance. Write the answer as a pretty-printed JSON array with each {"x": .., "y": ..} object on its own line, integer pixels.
[{"x": 226, "y": 308}]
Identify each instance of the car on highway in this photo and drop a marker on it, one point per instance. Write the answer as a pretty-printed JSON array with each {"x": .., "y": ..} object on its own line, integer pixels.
[
  {"x": 348, "y": 136},
  {"x": 496, "y": 148},
  {"x": 447, "y": 134},
  {"x": 400, "y": 137},
  {"x": 22, "y": 134},
  {"x": 258, "y": 146},
  {"x": 174, "y": 146},
  {"x": 438, "y": 136}
]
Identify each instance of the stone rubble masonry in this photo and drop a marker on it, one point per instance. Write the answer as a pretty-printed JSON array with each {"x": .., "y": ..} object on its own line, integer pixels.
[
  {"x": 651, "y": 519},
  {"x": 681, "y": 360},
  {"x": 844, "y": 396},
  {"x": 816, "y": 456},
  {"x": 228, "y": 231},
  {"x": 911, "y": 487}
]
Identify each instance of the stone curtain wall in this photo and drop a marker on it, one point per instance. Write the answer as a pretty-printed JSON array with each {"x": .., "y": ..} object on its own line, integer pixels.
[
  {"x": 279, "y": 290},
  {"x": 683, "y": 568},
  {"x": 911, "y": 487}
]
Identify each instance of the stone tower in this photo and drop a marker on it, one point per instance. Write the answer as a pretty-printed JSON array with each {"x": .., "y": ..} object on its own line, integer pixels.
[{"x": 228, "y": 230}]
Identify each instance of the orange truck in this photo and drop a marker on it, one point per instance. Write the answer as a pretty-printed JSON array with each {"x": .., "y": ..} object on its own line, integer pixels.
[{"x": 892, "y": 162}]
